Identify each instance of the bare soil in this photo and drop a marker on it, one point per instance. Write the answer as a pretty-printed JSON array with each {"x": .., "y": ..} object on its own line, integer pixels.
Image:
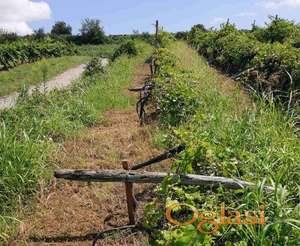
[{"x": 69, "y": 209}]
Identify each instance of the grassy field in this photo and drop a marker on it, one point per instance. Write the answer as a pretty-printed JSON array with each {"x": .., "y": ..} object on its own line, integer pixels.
[
  {"x": 30, "y": 131},
  {"x": 31, "y": 74},
  {"x": 105, "y": 50},
  {"x": 225, "y": 135}
]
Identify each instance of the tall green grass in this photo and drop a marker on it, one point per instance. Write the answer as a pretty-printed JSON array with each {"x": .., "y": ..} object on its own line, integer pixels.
[{"x": 30, "y": 131}]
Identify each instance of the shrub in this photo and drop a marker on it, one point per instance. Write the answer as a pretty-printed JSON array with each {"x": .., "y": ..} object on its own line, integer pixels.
[
  {"x": 176, "y": 100},
  {"x": 129, "y": 48},
  {"x": 278, "y": 30},
  {"x": 95, "y": 66},
  {"x": 275, "y": 63},
  {"x": 164, "y": 39},
  {"x": 165, "y": 62}
]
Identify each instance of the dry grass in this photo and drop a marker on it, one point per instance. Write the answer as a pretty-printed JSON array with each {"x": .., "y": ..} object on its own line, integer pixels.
[{"x": 72, "y": 208}]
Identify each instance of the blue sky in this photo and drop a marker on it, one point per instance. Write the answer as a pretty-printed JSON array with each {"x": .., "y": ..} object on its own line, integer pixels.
[{"x": 124, "y": 16}]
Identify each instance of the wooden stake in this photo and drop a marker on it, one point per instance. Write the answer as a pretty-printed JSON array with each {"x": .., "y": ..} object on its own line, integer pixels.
[
  {"x": 131, "y": 205},
  {"x": 156, "y": 33}
]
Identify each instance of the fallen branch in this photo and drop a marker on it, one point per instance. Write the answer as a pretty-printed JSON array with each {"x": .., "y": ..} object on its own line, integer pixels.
[
  {"x": 137, "y": 89},
  {"x": 150, "y": 177},
  {"x": 243, "y": 72},
  {"x": 168, "y": 154}
]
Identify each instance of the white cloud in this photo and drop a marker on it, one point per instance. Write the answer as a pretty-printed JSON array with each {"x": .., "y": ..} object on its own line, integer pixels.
[
  {"x": 275, "y": 4},
  {"x": 14, "y": 14}
]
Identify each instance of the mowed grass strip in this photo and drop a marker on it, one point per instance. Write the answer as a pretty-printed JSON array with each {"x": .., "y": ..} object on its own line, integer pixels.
[{"x": 34, "y": 73}]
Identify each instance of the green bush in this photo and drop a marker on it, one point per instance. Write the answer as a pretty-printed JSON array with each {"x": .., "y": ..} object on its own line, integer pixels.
[
  {"x": 278, "y": 30},
  {"x": 129, "y": 48},
  {"x": 275, "y": 63},
  {"x": 94, "y": 67},
  {"x": 176, "y": 100},
  {"x": 164, "y": 62},
  {"x": 235, "y": 51},
  {"x": 164, "y": 39}
]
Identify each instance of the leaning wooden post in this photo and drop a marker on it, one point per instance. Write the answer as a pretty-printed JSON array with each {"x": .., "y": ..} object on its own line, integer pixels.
[{"x": 129, "y": 196}]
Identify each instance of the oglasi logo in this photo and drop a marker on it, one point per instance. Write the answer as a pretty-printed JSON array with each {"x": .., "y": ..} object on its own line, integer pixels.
[{"x": 210, "y": 220}]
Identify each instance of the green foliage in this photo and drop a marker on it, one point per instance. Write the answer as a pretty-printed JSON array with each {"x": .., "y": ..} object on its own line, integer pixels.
[
  {"x": 61, "y": 28},
  {"x": 164, "y": 61},
  {"x": 224, "y": 138},
  {"x": 26, "y": 51},
  {"x": 278, "y": 30},
  {"x": 92, "y": 32},
  {"x": 185, "y": 236},
  {"x": 227, "y": 48},
  {"x": 236, "y": 50},
  {"x": 6, "y": 36},
  {"x": 270, "y": 53},
  {"x": 39, "y": 34},
  {"x": 164, "y": 39},
  {"x": 130, "y": 49},
  {"x": 275, "y": 64},
  {"x": 181, "y": 35},
  {"x": 176, "y": 100},
  {"x": 94, "y": 67}
]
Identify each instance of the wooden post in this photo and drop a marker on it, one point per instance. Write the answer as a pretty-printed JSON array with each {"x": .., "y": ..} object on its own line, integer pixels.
[
  {"x": 156, "y": 33},
  {"x": 131, "y": 205}
]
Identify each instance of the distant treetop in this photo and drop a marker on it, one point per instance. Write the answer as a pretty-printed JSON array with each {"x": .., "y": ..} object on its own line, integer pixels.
[{"x": 61, "y": 28}]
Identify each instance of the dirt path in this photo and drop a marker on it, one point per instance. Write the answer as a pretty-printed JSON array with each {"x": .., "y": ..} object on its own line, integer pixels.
[
  {"x": 74, "y": 208},
  {"x": 59, "y": 82}
]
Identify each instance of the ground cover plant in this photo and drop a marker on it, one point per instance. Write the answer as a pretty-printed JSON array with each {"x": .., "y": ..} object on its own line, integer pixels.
[{"x": 225, "y": 135}]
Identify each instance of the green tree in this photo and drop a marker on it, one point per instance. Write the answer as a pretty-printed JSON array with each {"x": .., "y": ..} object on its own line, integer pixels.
[
  {"x": 278, "y": 29},
  {"x": 6, "y": 36},
  {"x": 39, "y": 33},
  {"x": 61, "y": 28},
  {"x": 92, "y": 32}
]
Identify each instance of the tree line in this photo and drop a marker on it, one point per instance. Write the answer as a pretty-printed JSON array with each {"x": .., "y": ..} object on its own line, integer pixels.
[{"x": 90, "y": 32}]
